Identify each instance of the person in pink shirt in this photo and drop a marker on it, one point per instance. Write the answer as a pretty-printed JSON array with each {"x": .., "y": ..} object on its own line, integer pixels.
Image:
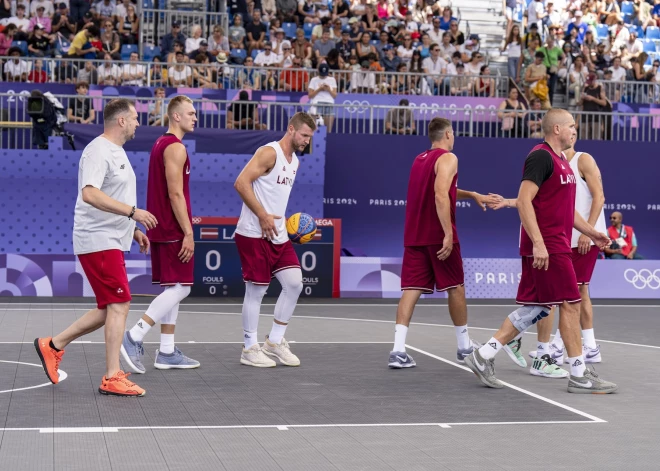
[
  {"x": 6, "y": 38},
  {"x": 41, "y": 19}
]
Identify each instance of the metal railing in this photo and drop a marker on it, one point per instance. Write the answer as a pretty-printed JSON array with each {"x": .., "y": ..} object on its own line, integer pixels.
[
  {"x": 351, "y": 117},
  {"x": 226, "y": 76},
  {"x": 618, "y": 91}
]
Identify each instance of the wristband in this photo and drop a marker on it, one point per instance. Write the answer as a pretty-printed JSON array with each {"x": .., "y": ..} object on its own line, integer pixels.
[{"x": 130, "y": 216}]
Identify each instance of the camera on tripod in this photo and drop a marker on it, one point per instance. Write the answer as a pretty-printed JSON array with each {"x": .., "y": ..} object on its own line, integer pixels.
[{"x": 48, "y": 119}]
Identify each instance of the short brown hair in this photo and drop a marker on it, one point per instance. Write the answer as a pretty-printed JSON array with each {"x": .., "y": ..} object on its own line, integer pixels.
[
  {"x": 81, "y": 84},
  {"x": 176, "y": 102},
  {"x": 437, "y": 128},
  {"x": 116, "y": 107},
  {"x": 301, "y": 118}
]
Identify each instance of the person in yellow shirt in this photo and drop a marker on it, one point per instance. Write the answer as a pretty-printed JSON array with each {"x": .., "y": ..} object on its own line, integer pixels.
[{"x": 80, "y": 46}]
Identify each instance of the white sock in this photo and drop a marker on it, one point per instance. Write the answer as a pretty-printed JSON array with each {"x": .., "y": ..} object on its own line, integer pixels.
[
  {"x": 589, "y": 338},
  {"x": 543, "y": 348},
  {"x": 166, "y": 343},
  {"x": 139, "y": 330},
  {"x": 490, "y": 348},
  {"x": 249, "y": 339},
  {"x": 557, "y": 340},
  {"x": 400, "y": 332},
  {"x": 577, "y": 366},
  {"x": 276, "y": 333},
  {"x": 462, "y": 336}
]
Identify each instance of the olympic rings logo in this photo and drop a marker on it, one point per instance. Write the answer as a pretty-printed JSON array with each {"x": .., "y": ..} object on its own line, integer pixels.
[
  {"x": 356, "y": 106},
  {"x": 196, "y": 220},
  {"x": 643, "y": 279}
]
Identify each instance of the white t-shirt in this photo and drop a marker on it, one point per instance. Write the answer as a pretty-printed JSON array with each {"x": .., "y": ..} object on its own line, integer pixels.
[
  {"x": 323, "y": 96},
  {"x": 436, "y": 37},
  {"x": 533, "y": 12},
  {"x": 22, "y": 25},
  {"x": 179, "y": 75},
  {"x": 16, "y": 70},
  {"x": 49, "y": 9},
  {"x": 618, "y": 74},
  {"x": 192, "y": 44},
  {"x": 105, "y": 166},
  {"x": 106, "y": 71},
  {"x": 133, "y": 70},
  {"x": 405, "y": 54},
  {"x": 434, "y": 68},
  {"x": 266, "y": 59}
]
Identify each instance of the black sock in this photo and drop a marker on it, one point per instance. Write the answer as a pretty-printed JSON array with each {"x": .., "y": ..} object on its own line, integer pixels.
[{"x": 52, "y": 345}]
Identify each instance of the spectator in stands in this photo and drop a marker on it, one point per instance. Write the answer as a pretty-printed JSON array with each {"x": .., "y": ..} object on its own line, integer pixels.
[
  {"x": 363, "y": 81},
  {"x": 364, "y": 47},
  {"x": 317, "y": 31},
  {"x": 401, "y": 83},
  {"x": 634, "y": 47},
  {"x": 620, "y": 33},
  {"x": 533, "y": 74},
  {"x": 40, "y": 45},
  {"x": 592, "y": 99},
  {"x": 87, "y": 74},
  {"x": 256, "y": 32},
  {"x": 38, "y": 74},
  {"x": 268, "y": 10},
  {"x": 16, "y": 69},
  {"x": 447, "y": 49},
  {"x": 473, "y": 67},
  {"x": 535, "y": 12},
  {"x": 323, "y": 46},
  {"x": 624, "y": 240},
  {"x": 133, "y": 73},
  {"x": 248, "y": 77},
  {"x": 81, "y": 45},
  {"x": 484, "y": 85},
  {"x": 86, "y": 21},
  {"x": 457, "y": 36},
  {"x": 435, "y": 67},
  {"x": 527, "y": 58},
  {"x": 218, "y": 42},
  {"x": 63, "y": 24},
  {"x": 612, "y": 89},
  {"x": 307, "y": 13},
  {"x": 158, "y": 73},
  {"x": 553, "y": 17},
  {"x": 40, "y": 19},
  {"x": 193, "y": 42},
  {"x": 170, "y": 39},
  {"x": 242, "y": 114},
  {"x": 424, "y": 47},
  {"x": 337, "y": 28},
  {"x": 577, "y": 76},
  {"x": 203, "y": 50},
  {"x": 513, "y": 48},
  {"x": 49, "y": 8},
  {"x": 66, "y": 72},
  {"x": 608, "y": 12},
  {"x": 552, "y": 55},
  {"x": 533, "y": 33},
  {"x": 237, "y": 33},
  {"x": 203, "y": 76},
  {"x": 295, "y": 78},
  {"x": 460, "y": 84},
  {"x": 129, "y": 26},
  {"x": 286, "y": 59},
  {"x": 267, "y": 57},
  {"x": 600, "y": 58},
  {"x": 372, "y": 24},
  {"x": 467, "y": 51},
  {"x": 341, "y": 10},
  {"x": 121, "y": 9},
  {"x": 322, "y": 91},
  {"x": 345, "y": 46},
  {"x": 451, "y": 66},
  {"x": 6, "y": 38},
  {"x": 110, "y": 41},
  {"x": 400, "y": 120},
  {"x": 535, "y": 120},
  {"x": 171, "y": 57},
  {"x": 356, "y": 29},
  {"x": 511, "y": 114},
  {"x": 286, "y": 10},
  {"x": 105, "y": 10},
  {"x": 302, "y": 48},
  {"x": 578, "y": 25},
  {"x": 108, "y": 73},
  {"x": 589, "y": 45},
  {"x": 180, "y": 75},
  {"x": 405, "y": 50},
  {"x": 391, "y": 61},
  {"x": 80, "y": 108},
  {"x": 446, "y": 18},
  {"x": 21, "y": 21},
  {"x": 509, "y": 7}
]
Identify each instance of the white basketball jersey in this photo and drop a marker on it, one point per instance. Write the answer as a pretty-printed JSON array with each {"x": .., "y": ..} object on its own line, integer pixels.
[
  {"x": 272, "y": 191},
  {"x": 583, "y": 199}
]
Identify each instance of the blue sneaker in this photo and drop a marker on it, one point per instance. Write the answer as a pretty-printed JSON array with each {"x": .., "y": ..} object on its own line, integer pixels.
[
  {"x": 401, "y": 360},
  {"x": 132, "y": 352},
  {"x": 174, "y": 361}
]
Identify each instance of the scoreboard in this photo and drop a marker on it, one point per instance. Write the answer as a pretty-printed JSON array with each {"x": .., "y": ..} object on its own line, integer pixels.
[{"x": 218, "y": 266}]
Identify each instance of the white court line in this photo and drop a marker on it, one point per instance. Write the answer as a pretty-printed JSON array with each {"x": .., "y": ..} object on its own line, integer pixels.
[
  {"x": 524, "y": 391},
  {"x": 62, "y": 374},
  {"x": 91, "y": 304}
]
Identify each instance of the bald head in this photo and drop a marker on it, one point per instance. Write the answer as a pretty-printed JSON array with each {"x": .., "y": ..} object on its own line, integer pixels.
[
  {"x": 559, "y": 129},
  {"x": 555, "y": 117}
]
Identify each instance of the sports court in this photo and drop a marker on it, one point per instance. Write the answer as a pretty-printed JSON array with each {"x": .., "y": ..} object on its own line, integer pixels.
[{"x": 341, "y": 409}]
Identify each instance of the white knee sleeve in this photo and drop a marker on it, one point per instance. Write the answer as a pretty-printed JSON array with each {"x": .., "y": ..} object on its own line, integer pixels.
[
  {"x": 291, "y": 281},
  {"x": 526, "y": 316},
  {"x": 252, "y": 306},
  {"x": 166, "y": 301}
]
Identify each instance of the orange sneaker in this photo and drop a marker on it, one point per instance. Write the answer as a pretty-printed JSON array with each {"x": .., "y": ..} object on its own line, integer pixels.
[
  {"x": 119, "y": 385},
  {"x": 50, "y": 358}
]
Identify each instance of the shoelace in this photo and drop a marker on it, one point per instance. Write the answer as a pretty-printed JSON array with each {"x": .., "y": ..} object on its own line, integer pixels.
[
  {"x": 140, "y": 348},
  {"x": 549, "y": 360},
  {"x": 58, "y": 359},
  {"x": 122, "y": 377}
]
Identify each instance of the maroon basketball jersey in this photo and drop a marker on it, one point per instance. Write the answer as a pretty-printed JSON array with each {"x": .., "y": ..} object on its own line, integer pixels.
[
  {"x": 158, "y": 199},
  {"x": 422, "y": 225},
  {"x": 554, "y": 204}
]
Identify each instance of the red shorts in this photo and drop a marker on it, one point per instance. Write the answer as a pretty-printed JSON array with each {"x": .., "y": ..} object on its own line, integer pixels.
[
  {"x": 106, "y": 272},
  {"x": 261, "y": 259},
  {"x": 549, "y": 287},
  {"x": 423, "y": 271},
  {"x": 166, "y": 268},
  {"x": 584, "y": 264}
]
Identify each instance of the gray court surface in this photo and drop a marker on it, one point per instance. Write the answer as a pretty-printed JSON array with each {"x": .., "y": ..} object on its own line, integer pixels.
[{"x": 341, "y": 409}]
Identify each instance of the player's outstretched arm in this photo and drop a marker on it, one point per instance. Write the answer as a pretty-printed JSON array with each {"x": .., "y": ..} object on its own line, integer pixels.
[
  {"x": 261, "y": 164},
  {"x": 589, "y": 170},
  {"x": 483, "y": 201},
  {"x": 502, "y": 202},
  {"x": 175, "y": 157},
  {"x": 445, "y": 170}
]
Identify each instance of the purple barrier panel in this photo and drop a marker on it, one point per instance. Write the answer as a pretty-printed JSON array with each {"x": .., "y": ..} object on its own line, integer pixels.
[{"x": 498, "y": 278}]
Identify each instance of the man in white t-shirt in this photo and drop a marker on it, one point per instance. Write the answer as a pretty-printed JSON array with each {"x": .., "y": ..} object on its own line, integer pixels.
[
  {"x": 133, "y": 73},
  {"x": 180, "y": 75},
  {"x": 434, "y": 67},
  {"x": 103, "y": 229},
  {"x": 535, "y": 12},
  {"x": 618, "y": 72},
  {"x": 21, "y": 21},
  {"x": 267, "y": 56},
  {"x": 16, "y": 69},
  {"x": 322, "y": 91}
]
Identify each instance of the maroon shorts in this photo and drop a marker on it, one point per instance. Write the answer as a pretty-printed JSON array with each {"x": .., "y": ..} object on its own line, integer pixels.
[
  {"x": 423, "y": 271},
  {"x": 166, "y": 268},
  {"x": 106, "y": 272},
  {"x": 549, "y": 287},
  {"x": 584, "y": 264},
  {"x": 261, "y": 259}
]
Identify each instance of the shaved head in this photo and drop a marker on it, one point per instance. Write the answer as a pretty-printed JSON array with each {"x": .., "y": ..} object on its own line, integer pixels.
[
  {"x": 559, "y": 129},
  {"x": 555, "y": 117}
]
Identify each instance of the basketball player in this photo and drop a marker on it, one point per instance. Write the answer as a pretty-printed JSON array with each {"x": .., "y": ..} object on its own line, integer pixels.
[
  {"x": 103, "y": 227},
  {"x": 263, "y": 243},
  {"x": 172, "y": 246},
  {"x": 432, "y": 253},
  {"x": 546, "y": 204},
  {"x": 589, "y": 201}
]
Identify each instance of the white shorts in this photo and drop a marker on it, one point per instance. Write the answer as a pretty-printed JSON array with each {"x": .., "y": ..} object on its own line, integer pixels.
[{"x": 509, "y": 13}]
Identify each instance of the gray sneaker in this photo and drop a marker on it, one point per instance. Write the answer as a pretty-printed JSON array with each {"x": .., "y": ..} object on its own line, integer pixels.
[
  {"x": 132, "y": 352},
  {"x": 401, "y": 360},
  {"x": 174, "y": 361},
  {"x": 484, "y": 369},
  {"x": 590, "y": 383},
  {"x": 461, "y": 354}
]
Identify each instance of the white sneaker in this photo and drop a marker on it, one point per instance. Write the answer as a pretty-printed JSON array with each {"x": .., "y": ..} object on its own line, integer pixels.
[
  {"x": 556, "y": 354},
  {"x": 254, "y": 356},
  {"x": 280, "y": 351},
  {"x": 591, "y": 355}
]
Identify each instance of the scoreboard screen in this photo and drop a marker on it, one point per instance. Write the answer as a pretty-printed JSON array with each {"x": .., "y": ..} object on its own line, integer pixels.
[{"x": 218, "y": 266}]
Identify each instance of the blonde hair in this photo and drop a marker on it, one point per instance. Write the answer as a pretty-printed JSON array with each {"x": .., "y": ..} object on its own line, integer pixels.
[{"x": 176, "y": 102}]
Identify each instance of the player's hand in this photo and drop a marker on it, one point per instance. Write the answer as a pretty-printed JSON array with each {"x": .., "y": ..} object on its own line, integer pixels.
[
  {"x": 482, "y": 200},
  {"x": 602, "y": 240},
  {"x": 496, "y": 201},
  {"x": 268, "y": 229},
  {"x": 447, "y": 247},
  {"x": 142, "y": 240},
  {"x": 584, "y": 244},
  {"x": 145, "y": 218},
  {"x": 541, "y": 257},
  {"x": 187, "y": 249}
]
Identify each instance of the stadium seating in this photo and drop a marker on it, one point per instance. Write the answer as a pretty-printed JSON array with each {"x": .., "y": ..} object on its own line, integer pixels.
[
  {"x": 22, "y": 45},
  {"x": 126, "y": 51},
  {"x": 150, "y": 52},
  {"x": 289, "y": 30}
]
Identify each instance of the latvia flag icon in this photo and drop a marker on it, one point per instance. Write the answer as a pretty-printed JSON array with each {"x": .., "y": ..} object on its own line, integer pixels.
[
  {"x": 317, "y": 236},
  {"x": 208, "y": 233}
]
